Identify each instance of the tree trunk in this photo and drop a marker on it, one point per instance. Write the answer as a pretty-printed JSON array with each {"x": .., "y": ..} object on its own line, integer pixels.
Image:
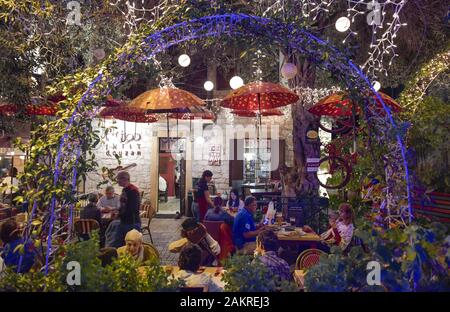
[{"x": 306, "y": 183}]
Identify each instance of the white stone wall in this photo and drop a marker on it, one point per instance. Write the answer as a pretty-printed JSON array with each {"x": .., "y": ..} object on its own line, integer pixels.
[
  {"x": 140, "y": 175},
  {"x": 221, "y": 173}
]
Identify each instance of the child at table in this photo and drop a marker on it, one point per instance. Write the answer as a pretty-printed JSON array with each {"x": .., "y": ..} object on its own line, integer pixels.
[{"x": 189, "y": 263}]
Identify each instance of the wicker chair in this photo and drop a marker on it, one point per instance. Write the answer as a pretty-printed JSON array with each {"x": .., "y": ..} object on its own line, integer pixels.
[
  {"x": 148, "y": 212},
  {"x": 308, "y": 259}
]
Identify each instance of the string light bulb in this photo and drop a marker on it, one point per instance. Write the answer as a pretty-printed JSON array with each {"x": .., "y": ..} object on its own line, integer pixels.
[{"x": 184, "y": 60}]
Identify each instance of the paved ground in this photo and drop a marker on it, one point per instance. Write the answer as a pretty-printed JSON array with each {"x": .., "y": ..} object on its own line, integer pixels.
[{"x": 165, "y": 231}]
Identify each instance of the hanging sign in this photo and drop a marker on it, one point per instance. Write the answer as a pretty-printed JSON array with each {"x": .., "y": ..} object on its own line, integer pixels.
[
  {"x": 214, "y": 155},
  {"x": 312, "y": 164}
]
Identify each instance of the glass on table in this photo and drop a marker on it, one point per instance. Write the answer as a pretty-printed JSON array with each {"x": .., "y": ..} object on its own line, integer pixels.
[
  {"x": 279, "y": 218},
  {"x": 292, "y": 221}
]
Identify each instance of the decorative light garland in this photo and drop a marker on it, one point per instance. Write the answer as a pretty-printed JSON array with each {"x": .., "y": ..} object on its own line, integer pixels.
[{"x": 243, "y": 25}]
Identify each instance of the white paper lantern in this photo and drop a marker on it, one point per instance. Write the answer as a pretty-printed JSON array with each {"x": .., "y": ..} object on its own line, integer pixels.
[
  {"x": 376, "y": 85},
  {"x": 342, "y": 24},
  {"x": 289, "y": 70},
  {"x": 184, "y": 60},
  {"x": 236, "y": 82},
  {"x": 208, "y": 85}
]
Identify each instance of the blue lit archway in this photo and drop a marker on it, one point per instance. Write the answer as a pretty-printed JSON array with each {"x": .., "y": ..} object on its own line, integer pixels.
[{"x": 298, "y": 40}]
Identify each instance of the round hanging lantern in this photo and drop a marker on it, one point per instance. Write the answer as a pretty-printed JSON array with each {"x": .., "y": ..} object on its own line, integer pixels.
[
  {"x": 342, "y": 24},
  {"x": 289, "y": 70},
  {"x": 376, "y": 85},
  {"x": 236, "y": 82},
  {"x": 184, "y": 60},
  {"x": 208, "y": 85}
]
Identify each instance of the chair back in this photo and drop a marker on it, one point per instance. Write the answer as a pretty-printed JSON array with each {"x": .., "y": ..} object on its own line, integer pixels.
[
  {"x": 85, "y": 226},
  {"x": 147, "y": 210},
  {"x": 308, "y": 259},
  {"x": 213, "y": 228}
]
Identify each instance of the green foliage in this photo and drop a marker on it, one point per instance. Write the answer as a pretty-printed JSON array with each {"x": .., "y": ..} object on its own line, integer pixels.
[
  {"x": 123, "y": 275},
  {"x": 427, "y": 136},
  {"x": 246, "y": 274},
  {"x": 411, "y": 259}
]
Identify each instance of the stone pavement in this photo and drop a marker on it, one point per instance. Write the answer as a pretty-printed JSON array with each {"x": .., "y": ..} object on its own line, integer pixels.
[{"x": 164, "y": 231}]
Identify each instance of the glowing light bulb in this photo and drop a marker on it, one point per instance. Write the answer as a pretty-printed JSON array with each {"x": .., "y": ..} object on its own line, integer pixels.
[
  {"x": 184, "y": 60},
  {"x": 376, "y": 85},
  {"x": 208, "y": 85},
  {"x": 342, "y": 24},
  {"x": 236, "y": 82}
]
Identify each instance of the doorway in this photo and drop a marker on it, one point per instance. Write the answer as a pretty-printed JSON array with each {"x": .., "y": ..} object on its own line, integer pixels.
[{"x": 172, "y": 175}]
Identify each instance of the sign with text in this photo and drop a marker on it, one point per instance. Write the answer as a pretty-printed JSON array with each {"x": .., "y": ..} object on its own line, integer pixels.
[
  {"x": 312, "y": 164},
  {"x": 214, "y": 155}
]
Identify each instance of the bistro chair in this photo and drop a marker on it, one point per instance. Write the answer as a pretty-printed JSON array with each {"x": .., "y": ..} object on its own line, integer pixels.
[
  {"x": 308, "y": 259},
  {"x": 84, "y": 227},
  {"x": 148, "y": 212},
  {"x": 213, "y": 228}
]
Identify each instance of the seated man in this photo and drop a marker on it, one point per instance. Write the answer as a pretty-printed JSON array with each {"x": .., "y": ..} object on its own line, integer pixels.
[
  {"x": 90, "y": 211},
  {"x": 109, "y": 202},
  {"x": 135, "y": 247},
  {"x": 244, "y": 229},
  {"x": 266, "y": 248},
  {"x": 11, "y": 239},
  {"x": 196, "y": 233},
  {"x": 189, "y": 263}
]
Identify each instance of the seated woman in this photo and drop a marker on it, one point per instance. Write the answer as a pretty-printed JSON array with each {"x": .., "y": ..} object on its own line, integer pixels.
[
  {"x": 218, "y": 213},
  {"x": 226, "y": 234},
  {"x": 189, "y": 263},
  {"x": 11, "y": 238},
  {"x": 137, "y": 249},
  {"x": 341, "y": 229},
  {"x": 234, "y": 202}
]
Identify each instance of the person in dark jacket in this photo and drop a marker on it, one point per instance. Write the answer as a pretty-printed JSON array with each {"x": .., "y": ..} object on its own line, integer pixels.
[
  {"x": 130, "y": 202},
  {"x": 91, "y": 210}
]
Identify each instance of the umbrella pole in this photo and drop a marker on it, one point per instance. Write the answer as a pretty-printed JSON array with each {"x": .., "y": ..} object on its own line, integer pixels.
[
  {"x": 257, "y": 134},
  {"x": 168, "y": 139},
  {"x": 177, "y": 127}
]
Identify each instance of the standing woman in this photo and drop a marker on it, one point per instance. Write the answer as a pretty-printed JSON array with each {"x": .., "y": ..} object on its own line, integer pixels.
[{"x": 203, "y": 198}]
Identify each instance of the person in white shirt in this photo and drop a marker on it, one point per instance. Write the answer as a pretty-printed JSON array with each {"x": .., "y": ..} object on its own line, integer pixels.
[
  {"x": 162, "y": 184},
  {"x": 189, "y": 264},
  {"x": 109, "y": 202}
]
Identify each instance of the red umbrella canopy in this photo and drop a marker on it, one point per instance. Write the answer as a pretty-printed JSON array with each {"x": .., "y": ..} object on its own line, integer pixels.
[
  {"x": 259, "y": 96},
  {"x": 49, "y": 109},
  {"x": 339, "y": 104},
  {"x": 125, "y": 113},
  {"x": 193, "y": 112},
  {"x": 266, "y": 112}
]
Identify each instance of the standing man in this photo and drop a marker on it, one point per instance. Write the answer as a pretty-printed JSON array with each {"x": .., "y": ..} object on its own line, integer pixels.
[
  {"x": 244, "y": 228},
  {"x": 129, "y": 219}
]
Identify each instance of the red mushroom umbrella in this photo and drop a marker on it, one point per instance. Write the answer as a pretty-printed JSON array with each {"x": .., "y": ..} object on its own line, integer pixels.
[
  {"x": 339, "y": 104},
  {"x": 125, "y": 113},
  {"x": 265, "y": 112},
  {"x": 258, "y": 96}
]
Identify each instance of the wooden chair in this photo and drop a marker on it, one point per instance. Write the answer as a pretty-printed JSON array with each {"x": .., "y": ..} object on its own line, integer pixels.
[
  {"x": 83, "y": 227},
  {"x": 308, "y": 259},
  {"x": 213, "y": 228},
  {"x": 148, "y": 212}
]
